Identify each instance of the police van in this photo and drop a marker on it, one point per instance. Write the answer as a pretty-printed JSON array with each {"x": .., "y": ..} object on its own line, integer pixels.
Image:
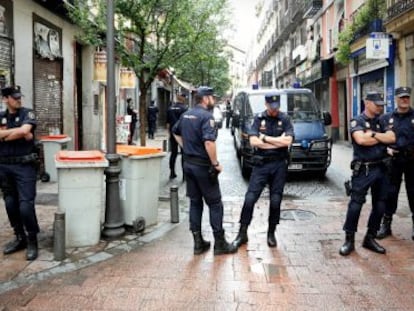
[{"x": 311, "y": 149}]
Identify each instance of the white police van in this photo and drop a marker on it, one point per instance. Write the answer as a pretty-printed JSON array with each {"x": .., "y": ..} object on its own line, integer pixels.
[{"x": 311, "y": 149}]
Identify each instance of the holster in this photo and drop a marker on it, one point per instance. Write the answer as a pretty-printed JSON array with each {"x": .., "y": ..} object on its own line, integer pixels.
[
  {"x": 257, "y": 160},
  {"x": 348, "y": 187},
  {"x": 356, "y": 167}
]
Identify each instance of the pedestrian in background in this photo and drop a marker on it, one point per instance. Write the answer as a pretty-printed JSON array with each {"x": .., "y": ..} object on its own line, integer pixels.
[
  {"x": 369, "y": 140},
  {"x": 174, "y": 113},
  {"x": 402, "y": 163},
  {"x": 152, "y": 113},
  {"x": 18, "y": 172},
  {"x": 134, "y": 118},
  {"x": 196, "y": 133},
  {"x": 229, "y": 113},
  {"x": 271, "y": 134}
]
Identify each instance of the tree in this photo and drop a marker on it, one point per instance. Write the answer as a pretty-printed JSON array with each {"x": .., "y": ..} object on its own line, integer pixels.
[{"x": 152, "y": 35}]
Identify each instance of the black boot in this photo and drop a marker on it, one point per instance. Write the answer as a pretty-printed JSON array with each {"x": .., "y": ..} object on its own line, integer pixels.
[
  {"x": 32, "y": 248},
  {"x": 385, "y": 229},
  {"x": 221, "y": 246},
  {"x": 200, "y": 246},
  {"x": 271, "y": 238},
  {"x": 371, "y": 244},
  {"x": 241, "y": 236},
  {"x": 349, "y": 245},
  {"x": 19, "y": 243}
]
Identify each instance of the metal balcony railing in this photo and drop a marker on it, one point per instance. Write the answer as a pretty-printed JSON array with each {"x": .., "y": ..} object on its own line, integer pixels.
[
  {"x": 399, "y": 7},
  {"x": 311, "y": 7}
]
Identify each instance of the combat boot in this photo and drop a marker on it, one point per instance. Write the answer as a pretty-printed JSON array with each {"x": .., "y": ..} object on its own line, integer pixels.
[
  {"x": 221, "y": 246},
  {"x": 385, "y": 229},
  {"x": 241, "y": 237},
  {"x": 349, "y": 245},
  {"x": 200, "y": 246},
  {"x": 32, "y": 248},
  {"x": 19, "y": 243},
  {"x": 370, "y": 243},
  {"x": 271, "y": 238}
]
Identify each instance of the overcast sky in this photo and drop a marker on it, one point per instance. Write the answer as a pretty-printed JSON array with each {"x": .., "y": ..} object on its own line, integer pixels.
[{"x": 243, "y": 21}]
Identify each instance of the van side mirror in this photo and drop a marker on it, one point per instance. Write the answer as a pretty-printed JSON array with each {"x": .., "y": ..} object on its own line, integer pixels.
[{"x": 327, "y": 118}]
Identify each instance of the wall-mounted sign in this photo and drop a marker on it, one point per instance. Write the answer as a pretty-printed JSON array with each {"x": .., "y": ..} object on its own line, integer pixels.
[
  {"x": 99, "y": 72},
  {"x": 127, "y": 78},
  {"x": 378, "y": 48}
]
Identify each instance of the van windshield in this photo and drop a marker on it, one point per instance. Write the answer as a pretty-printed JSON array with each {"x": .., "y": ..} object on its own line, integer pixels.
[{"x": 301, "y": 107}]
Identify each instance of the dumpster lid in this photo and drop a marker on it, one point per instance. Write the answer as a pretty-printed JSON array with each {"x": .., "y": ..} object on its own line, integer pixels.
[
  {"x": 137, "y": 150},
  {"x": 80, "y": 156}
]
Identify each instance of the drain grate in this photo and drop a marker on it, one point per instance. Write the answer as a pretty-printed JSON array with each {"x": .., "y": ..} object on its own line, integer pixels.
[{"x": 296, "y": 215}]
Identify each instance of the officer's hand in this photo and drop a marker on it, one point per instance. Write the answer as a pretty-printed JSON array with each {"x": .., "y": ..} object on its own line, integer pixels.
[
  {"x": 219, "y": 168},
  {"x": 391, "y": 151}
]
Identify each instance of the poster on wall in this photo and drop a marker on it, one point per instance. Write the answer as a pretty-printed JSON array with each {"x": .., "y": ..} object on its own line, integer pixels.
[{"x": 47, "y": 41}]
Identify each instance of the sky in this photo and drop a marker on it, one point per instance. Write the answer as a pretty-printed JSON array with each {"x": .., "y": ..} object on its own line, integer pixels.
[{"x": 243, "y": 22}]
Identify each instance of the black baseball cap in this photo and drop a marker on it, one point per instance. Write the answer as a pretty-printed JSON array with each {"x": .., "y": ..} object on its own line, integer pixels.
[
  {"x": 376, "y": 98},
  {"x": 11, "y": 91}
]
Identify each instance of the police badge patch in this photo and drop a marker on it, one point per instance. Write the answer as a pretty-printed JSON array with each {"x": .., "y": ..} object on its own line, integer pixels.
[
  {"x": 212, "y": 123},
  {"x": 3, "y": 121},
  {"x": 367, "y": 125}
]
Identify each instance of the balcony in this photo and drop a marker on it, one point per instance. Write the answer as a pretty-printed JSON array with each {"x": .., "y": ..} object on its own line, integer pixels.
[
  {"x": 311, "y": 7},
  {"x": 373, "y": 26},
  {"x": 399, "y": 8}
]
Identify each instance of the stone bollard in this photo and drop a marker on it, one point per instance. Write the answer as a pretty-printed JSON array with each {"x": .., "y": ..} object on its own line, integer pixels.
[
  {"x": 175, "y": 213},
  {"x": 59, "y": 237}
]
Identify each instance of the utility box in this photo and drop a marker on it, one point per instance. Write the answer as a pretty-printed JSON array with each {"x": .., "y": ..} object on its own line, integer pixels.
[
  {"x": 81, "y": 195},
  {"x": 140, "y": 183},
  {"x": 52, "y": 144}
]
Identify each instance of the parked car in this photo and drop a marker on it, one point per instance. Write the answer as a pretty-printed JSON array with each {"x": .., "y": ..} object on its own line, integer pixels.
[
  {"x": 311, "y": 149},
  {"x": 218, "y": 117}
]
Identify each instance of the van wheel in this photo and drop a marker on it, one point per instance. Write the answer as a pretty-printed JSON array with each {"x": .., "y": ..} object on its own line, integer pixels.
[
  {"x": 321, "y": 174},
  {"x": 237, "y": 149},
  {"x": 245, "y": 170}
]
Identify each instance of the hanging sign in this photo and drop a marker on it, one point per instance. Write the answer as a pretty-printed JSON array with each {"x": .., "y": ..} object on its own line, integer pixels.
[
  {"x": 99, "y": 73},
  {"x": 378, "y": 48},
  {"x": 127, "y": 79}
]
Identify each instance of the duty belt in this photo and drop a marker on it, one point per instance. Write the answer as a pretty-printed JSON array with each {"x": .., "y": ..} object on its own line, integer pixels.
[
  {"x": 196, "y": 160},
  {"x": 19, "y": 159}
]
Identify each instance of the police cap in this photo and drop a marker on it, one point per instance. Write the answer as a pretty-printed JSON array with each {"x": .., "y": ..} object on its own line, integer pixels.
[
  {"x": 205, "y": 91},
  {"x": 273, "y": 100},
  {"x": 403, "y": 91},
  {"x": 376, "y": 98},
  {"x": 11, "y": 91}
]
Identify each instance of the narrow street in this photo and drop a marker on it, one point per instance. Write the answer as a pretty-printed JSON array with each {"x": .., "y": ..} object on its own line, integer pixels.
[{"x": 305, "y": 271}]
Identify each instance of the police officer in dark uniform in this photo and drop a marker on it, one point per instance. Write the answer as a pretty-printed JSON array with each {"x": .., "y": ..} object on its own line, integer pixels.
[
  {"x": 174, "y": 113},
  {"x": 18, "y": 171},
  {"x": 402, "y": 152},
  {"x": 196, "y": 133},
  {"x": 152, "y": 112},
  {"x": 271, "y": 135},
  {"x": 134, "y": 118},
  {"x": 229, "y": 112},
  {"x": 369, "y": 141}
]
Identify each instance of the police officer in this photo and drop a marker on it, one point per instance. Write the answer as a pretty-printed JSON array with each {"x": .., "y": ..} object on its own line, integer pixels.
[
  {"x": 18, "y": 172},
  {"x": 271, "y": 135},
  {"x": 173, "y": 115},
  {"x": 152, "y": 112},
  {"x": 134, "y": 118},
  {"x": 402, "y": 152},
  {"x": 369, "y": 141},
  {"x": 196, "y": 133}
]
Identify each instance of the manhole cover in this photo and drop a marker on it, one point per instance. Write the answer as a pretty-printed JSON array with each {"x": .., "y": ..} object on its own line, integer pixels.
[{"x": 296, "y": 214}]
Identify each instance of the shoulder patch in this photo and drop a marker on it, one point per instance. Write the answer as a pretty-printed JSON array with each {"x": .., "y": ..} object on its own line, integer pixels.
[
  {"x": 353, "y": 123},
  {"x": 212, "y": 123},
  {"x": 391, "y": 121},
  {"x": 31, "y": 115}
]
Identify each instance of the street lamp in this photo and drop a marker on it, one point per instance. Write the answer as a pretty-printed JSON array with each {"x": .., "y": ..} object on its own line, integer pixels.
[{"x": 114, "y": 223}]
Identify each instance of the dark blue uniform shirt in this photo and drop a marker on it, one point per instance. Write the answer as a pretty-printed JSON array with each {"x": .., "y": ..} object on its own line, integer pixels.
[
  {"x": 403, "y": 126},
  {"x": 174, "y": 113},
  {"x": 367, "y": 153},
  {"x": 152, "y": 113},
  {"x": 18, "y": 147},
  {"x": 271, "y": 126},
  {"x": 195, "y": 127}
]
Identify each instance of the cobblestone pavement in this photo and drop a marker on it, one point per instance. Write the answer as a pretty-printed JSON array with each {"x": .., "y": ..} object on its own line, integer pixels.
[{"x": 305, "y": 271}]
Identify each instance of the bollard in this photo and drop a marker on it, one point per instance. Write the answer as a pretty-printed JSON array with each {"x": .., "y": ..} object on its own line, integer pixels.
[
  {"x": 59, "y": 237},
  {"x": 164, "y": 145},
  {"x": 175, "y": 213}
]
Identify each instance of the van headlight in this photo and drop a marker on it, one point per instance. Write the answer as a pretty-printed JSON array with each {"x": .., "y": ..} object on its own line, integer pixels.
[{"x": 319, "y": 145}]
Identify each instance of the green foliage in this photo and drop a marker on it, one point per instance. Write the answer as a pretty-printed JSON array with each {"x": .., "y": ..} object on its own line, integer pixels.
[{"x": 371, "y": 10}]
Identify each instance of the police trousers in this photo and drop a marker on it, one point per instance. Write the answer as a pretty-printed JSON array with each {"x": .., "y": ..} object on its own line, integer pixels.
[
  {"x": 18, "y": 183},
  {"x": 400, "y": 166},
  {"x": 199, "y": 187},
  {"x": 373, "y": 178},
  {"x": 271, "y": 173}
]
